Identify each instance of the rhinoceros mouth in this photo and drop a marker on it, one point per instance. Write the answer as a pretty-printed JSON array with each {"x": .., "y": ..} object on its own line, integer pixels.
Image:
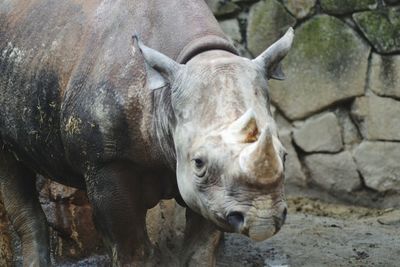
[{"x": 256, "y": 228}]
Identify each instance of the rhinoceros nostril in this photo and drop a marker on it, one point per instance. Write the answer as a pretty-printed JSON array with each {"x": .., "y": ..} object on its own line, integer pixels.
[
  {"x": 236, "y": 220},
  {"x": 278, "y": 223},
  {"x": 284, "y": 215}
]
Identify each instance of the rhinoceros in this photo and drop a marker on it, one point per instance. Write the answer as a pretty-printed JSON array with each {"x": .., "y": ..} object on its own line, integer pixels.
[{"x": 172, "y": 112}]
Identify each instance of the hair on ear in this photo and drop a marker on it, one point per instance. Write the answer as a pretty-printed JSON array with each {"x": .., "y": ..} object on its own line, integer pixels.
[{"x": 160, "y": 69}]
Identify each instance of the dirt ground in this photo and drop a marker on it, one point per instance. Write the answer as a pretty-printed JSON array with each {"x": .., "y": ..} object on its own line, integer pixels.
[
  {"x": 320, "y": 234},
  {"x": 316, "y": 234}
]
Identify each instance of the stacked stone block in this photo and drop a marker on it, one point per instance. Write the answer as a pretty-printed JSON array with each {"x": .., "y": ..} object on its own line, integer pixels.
[{"x": 339, "y": 108}]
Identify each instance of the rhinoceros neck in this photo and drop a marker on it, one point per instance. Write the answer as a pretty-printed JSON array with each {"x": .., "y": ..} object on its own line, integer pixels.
[
  {"x": 202, "y": 44},
  {"x": 180, "y": 29}
]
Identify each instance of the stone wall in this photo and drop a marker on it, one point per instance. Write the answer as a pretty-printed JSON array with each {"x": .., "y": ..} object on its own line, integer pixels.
[{"x": 339, "y": 109}]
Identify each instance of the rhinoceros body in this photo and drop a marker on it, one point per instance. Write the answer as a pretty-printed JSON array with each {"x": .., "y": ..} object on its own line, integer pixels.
[{"x": 187, "y": 119}]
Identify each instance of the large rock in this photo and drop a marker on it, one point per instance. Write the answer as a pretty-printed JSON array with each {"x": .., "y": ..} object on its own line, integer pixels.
[
  {"x": 244, "y": 1},
  {"x": 293, "y": 171},
  {"x": 340, "y": 7},
  {"x": 333, "y": 172},
  {"x": 327, "y": 63},
  {"x": 165, "y": 221},
  {"x": 350, "y": 133},
  {"x": 300, "y": 8},
  {"x": 222, "y": 7},
  {"x": 378, "y": 118},
  {"x": 268, "y": 20},
  {"x": 231, "y": 28},
  {"x": 282, "y": 122},
  {"x": 165, "y": 226},
  {"x": 378, "y": 163},
  {"x": 69, "y": 215},
  {"x": 320, "y": 134},
  {"x": 381, "y": 28},
  {"x": 385, "y": 75}
]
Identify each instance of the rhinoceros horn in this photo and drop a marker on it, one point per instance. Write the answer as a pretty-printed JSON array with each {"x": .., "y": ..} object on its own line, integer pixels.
[
  {"x": 260, "y": 159},
  {"x": 270, "y": 59},
  {"x": 244, "y": 129},
  {"x": 265, "y": 144}
]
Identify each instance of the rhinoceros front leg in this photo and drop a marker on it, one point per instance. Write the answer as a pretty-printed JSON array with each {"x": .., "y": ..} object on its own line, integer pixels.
[
  {"x": 200, "y": 242},
  {"x": 119, "y": 213},
  {"x": 23, "y": 208}
]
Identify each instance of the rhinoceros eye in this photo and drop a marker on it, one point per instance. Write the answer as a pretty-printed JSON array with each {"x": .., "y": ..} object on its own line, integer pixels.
[
  {"x": 199, "y": 163},
  {"x": 199, "y": 166}
]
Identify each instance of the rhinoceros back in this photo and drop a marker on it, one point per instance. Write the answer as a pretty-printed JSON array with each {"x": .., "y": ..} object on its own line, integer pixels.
[
  {"x": 70, "y": 90},
  {"x": 39, "y": 48}
]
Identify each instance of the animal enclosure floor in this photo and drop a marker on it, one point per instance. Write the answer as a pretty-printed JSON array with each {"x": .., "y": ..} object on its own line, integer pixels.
[
  {"x": 316, "y": 234},
  {"x": 319, "y": 234}
]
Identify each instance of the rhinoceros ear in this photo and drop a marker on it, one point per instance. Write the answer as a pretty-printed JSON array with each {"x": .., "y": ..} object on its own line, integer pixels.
[
  {"x": 271, "y": 58},
  {"x": 160, "y": 69}
]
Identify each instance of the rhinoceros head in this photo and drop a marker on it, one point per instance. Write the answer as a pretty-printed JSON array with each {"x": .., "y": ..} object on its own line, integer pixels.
[{"x": 229, "y": 160}]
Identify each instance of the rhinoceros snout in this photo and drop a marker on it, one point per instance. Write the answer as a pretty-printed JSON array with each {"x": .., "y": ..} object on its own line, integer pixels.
[
  {"x": 257, "y": 228},
  {"x": 284, "y": 214},
  {"x": 264, "y": 223}
]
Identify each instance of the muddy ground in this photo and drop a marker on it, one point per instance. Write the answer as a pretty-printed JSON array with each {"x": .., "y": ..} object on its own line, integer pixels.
[
  {"x": 320, "y": 234},
  {"x": 316, "y": 234}
]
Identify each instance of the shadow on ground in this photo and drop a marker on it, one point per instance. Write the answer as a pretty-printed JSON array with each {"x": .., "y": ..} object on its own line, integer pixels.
[{"x": 316, "y": 234}]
